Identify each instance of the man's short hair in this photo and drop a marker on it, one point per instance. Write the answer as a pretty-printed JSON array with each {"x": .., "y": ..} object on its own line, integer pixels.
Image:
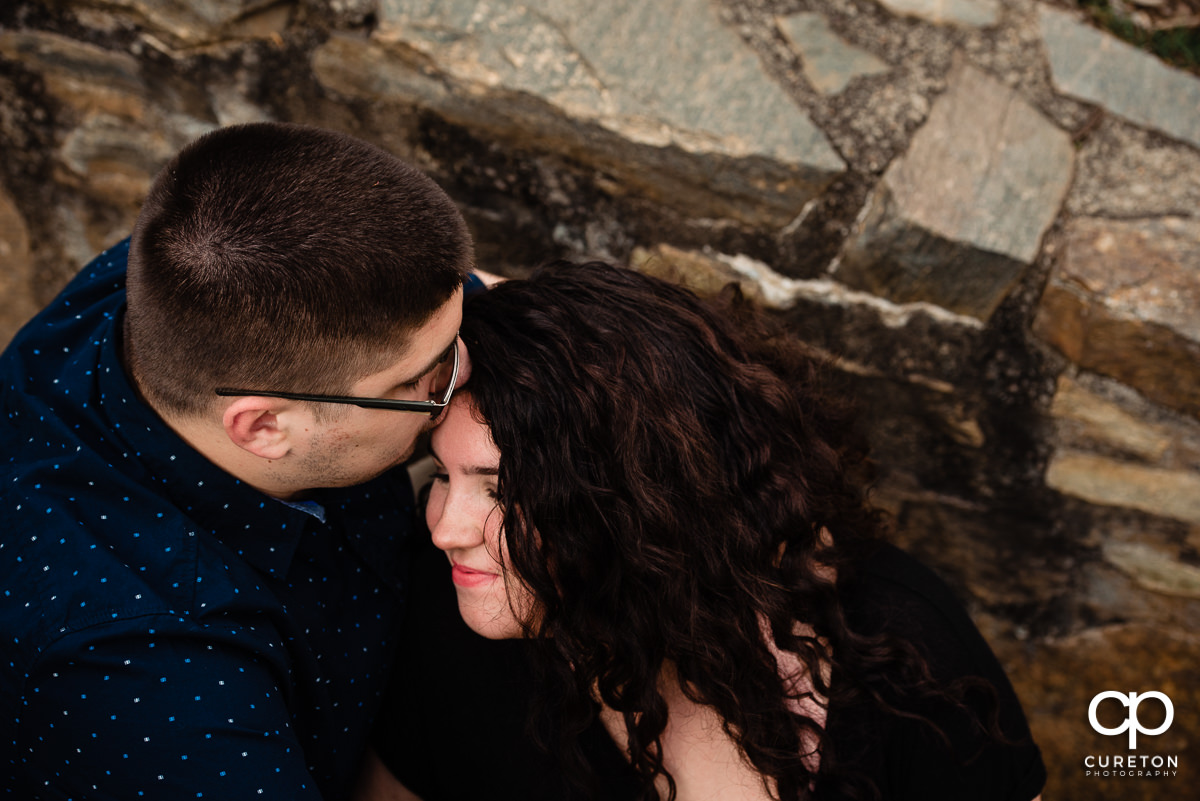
[{"x": 283, "y": 257}]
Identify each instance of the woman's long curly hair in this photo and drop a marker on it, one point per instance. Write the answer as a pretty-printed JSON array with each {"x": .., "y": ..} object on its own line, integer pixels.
[{"x": 668, "y": 467}]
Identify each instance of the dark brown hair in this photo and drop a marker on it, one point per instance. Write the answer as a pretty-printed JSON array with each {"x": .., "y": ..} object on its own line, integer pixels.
[
  {"x": 284, "y": 257},
  {"x": 668, "y": 467}
]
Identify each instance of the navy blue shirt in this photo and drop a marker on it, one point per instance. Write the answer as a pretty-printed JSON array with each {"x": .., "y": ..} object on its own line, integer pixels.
[{"x": 167, "y": 631}]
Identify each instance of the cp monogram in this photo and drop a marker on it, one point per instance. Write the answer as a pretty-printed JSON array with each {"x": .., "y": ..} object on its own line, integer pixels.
[{"x": 1131, "y": 723}]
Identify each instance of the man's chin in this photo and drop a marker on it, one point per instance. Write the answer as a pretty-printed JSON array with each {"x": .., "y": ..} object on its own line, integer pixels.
[
  {"x": 329, "y": 481},
  {"x": 398, "y": 463}
]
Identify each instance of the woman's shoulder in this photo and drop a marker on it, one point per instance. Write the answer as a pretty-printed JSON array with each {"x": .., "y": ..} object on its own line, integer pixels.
[{"x": 895, "y": 595}]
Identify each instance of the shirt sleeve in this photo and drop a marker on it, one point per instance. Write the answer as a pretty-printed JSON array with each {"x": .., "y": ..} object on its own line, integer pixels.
[
  {"x": 906, "y": 757},
  {"x": 149, "y": 715}
]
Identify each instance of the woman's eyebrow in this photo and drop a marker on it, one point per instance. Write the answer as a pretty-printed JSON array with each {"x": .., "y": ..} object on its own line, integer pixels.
[{"x": 473, "y": 470}]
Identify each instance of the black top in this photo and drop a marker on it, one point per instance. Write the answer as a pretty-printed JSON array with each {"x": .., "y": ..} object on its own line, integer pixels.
[
  {"x": 454, "y": 723},
  {"x": 906, "y": 758}
]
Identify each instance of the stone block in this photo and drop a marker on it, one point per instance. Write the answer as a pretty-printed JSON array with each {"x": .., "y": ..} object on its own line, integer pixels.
[
  {"x": 117, "y": 161},
  {"x": 201, "y": 22},
  {"x": 958, "y": 219},
  {"x": 1153, "y": 569},
  {"x": 665, "y": 98},
  {"x": 17, "y": 304},
  {"x": 1094, "y": 66},
  {"x": 972, "y": 13},
  {"x": 1127, "y": 172},
  {"x": 1093, "y": 419},
  {"x": 1122, "y": 301},
  {"x": 701, "y": 273},
  {"x": 1111, "y": 482},
  {"x": 830, "y": 62},
  {"x": 1057, "y": 680},
  {"x": 84, "y": 77},
  {"x": 708, "y": 271}
]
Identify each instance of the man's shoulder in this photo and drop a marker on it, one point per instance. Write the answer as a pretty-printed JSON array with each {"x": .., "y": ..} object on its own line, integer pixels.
[
  {"x": 92, "y": 538},
  {"x": 141, "y": 694},
  {"x": 101, "y": 277},
  {"x": 59, "y": 473},
  {"x": 72, "y": 556},
  {"x": 50, "y": 370},
  {"x": 99, "y": 285},
  {"x": 64, "y": 448}
]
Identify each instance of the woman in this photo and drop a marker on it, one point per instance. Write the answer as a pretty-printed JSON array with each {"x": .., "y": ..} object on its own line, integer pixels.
[{"x": 659, "y": 494}]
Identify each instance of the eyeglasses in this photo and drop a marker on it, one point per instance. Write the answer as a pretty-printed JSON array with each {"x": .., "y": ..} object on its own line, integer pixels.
[{"x": 432, "y": 408}]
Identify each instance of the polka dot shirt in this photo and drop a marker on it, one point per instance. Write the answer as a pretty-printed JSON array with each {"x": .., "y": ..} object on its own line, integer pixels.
[{"x": 169, "y": 632}]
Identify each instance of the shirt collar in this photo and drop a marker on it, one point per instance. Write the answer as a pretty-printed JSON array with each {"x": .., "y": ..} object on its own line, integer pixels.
[{"x": 261, "y": 529}]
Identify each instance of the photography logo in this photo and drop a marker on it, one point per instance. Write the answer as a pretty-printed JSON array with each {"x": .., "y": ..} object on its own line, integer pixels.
[{"x": 1131, "y": 764}]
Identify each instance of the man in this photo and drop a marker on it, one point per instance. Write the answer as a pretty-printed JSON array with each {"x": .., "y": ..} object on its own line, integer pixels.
[{"x": 203, "y": 539}]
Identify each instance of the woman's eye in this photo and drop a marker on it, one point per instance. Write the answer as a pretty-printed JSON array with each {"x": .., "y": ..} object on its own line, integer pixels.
[
  {"x": 495, "y": 495},
  {"x": 441, "y": 477}
]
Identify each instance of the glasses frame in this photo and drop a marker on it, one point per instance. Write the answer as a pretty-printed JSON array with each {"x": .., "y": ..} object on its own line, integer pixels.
[{"x": 431, "y": 408}]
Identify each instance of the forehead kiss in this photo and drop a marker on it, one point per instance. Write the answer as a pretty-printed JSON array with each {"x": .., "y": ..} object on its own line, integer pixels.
[{"x": 465, "y": 518}]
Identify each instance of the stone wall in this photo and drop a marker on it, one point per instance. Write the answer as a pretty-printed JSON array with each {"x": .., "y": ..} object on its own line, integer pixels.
[{"x": 986, "y": 211}]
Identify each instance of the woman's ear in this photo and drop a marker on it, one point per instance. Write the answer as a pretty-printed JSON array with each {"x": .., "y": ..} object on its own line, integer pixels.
[{"x": 259, "y": 426}]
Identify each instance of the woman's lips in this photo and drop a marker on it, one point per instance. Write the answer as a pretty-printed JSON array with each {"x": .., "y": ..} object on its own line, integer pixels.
[{"x": 466, "y": 577}]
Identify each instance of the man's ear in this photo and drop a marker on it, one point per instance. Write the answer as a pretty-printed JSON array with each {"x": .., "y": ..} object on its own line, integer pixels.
[{"x": 257, "y": 425}]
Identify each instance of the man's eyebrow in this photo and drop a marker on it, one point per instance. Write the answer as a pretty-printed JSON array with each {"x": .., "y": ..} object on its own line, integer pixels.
[
  {"x": 475, "y": 470},
  {"x": 432, "y": 365}
]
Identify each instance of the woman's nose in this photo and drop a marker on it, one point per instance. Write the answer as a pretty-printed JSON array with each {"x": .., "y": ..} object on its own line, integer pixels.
[{"x": 455, "y": 529}]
